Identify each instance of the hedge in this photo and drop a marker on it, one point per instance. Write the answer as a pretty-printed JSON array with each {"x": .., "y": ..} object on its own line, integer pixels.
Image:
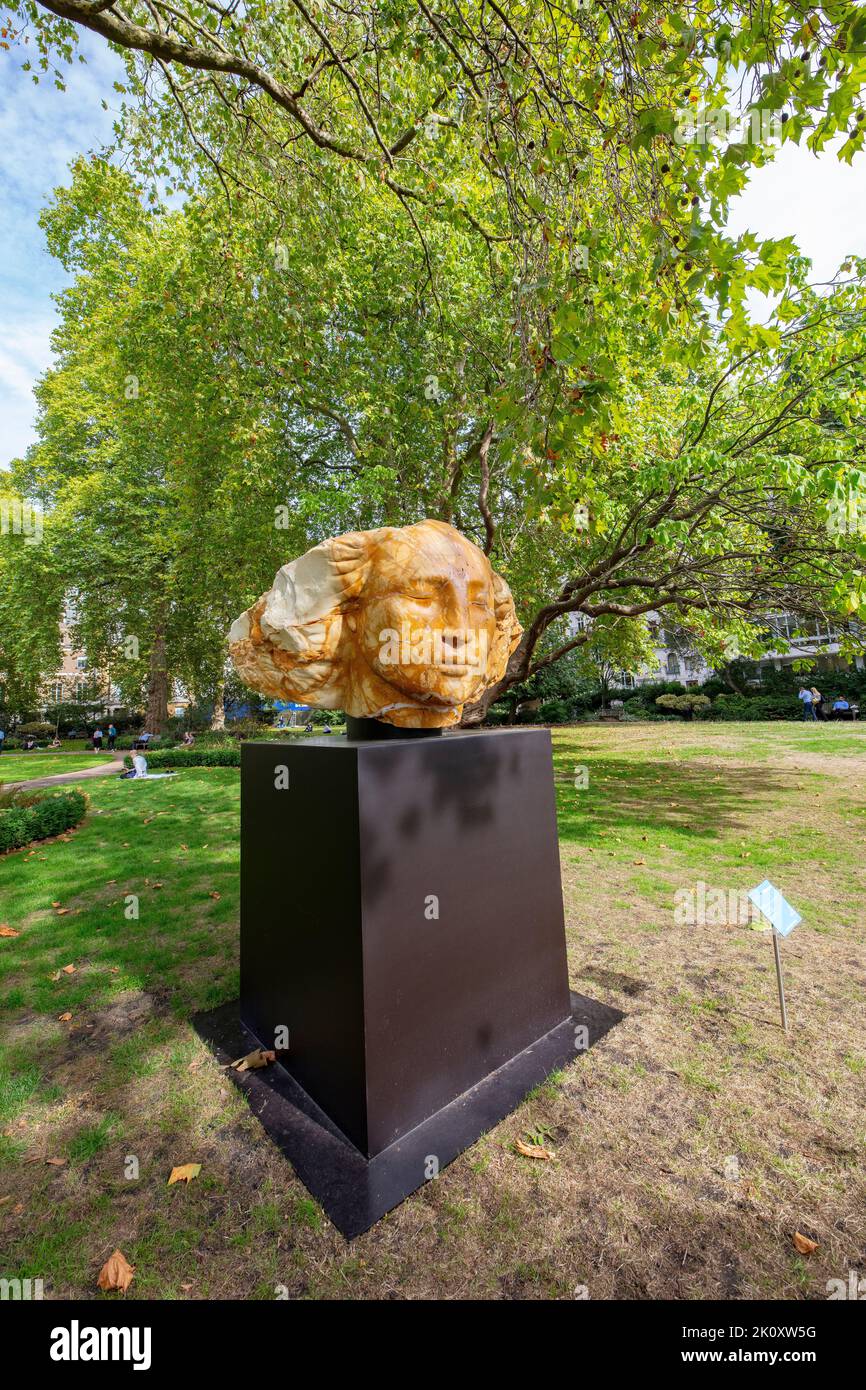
[
  {"x": 755, "y": 707},
  {"x": 191, "y": 757},
  {"x": 49, "y": 816}
]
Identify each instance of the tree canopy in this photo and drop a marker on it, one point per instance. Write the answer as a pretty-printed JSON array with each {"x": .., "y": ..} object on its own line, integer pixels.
[{"x": 367, "y": 263}]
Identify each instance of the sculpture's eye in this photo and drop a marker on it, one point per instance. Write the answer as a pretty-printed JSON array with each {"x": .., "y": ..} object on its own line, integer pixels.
[{"x": 481, "y": 598}]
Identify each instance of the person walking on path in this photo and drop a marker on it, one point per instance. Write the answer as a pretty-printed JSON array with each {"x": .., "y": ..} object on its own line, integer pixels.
[
  {"x": 2, "y": 736},
  {"x": 112, "y": 735},
  {"x": 808, "y": 707},
  {"x": 97, "y": 739},
  {"x": 817, "y": 703}
]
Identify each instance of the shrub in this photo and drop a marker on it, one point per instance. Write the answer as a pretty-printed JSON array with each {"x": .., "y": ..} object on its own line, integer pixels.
[
  {"x": 686, "y": 705},
  {"x": 130, "y": 740},
  {"x": 28, "y": 820},
  {"x": 191, "y": 757},
  {"x": 753, "y": 707},
  {"x": 327, "y": 716},
  {"x": 37, "y": 728},
  {"x": 246, "y": 727},
  {"x": 555, "y": 712},
  {"x": 497, "y": 714}
]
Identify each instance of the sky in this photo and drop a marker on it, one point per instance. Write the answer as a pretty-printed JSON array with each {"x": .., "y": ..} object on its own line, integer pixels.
[
  {"x": 818, "y": 200},
  {"x": 41, "y": 131}
]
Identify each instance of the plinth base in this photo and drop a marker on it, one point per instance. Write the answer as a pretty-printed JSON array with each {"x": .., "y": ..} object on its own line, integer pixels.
[{"x": 356, "y": 1191}]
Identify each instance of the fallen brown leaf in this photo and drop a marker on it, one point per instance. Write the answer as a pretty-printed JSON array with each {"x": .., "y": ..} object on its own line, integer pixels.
[
  {"x": 258, "y": 1058},
  {"x": 804, "y": 1244},
  {"x": 65, "y": 1018},
  {"x": 6, "y": 930},
  {"x": 116, "y": 1273},
  {"x": 532, "y": 1150},
  {"x": 56, "y": 1162},
  {"x": 185, "y": 1173}
]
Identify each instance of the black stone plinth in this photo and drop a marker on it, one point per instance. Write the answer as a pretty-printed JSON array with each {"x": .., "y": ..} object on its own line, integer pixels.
[
  {"x": 355, "y": 1191},
  {"x": 401, "y": 918},
  {"x": 362, "y": 729}
]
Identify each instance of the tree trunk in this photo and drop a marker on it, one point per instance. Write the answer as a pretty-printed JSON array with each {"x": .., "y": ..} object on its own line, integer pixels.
[
  {"x": 728, "y": 678},
  {"x": 156, "y": 714},
  {"x": 218, "y": 719}
]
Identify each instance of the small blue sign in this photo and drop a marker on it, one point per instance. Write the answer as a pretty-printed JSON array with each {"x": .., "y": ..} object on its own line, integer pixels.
[{"x": 769, "y": 901}]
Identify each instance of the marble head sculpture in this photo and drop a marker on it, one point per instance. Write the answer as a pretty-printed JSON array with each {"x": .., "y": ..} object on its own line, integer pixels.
[{"x": 404, "y": 624}]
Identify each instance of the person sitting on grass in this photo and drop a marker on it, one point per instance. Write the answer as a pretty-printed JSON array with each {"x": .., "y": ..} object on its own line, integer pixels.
[{"x": 139, "y": 769}]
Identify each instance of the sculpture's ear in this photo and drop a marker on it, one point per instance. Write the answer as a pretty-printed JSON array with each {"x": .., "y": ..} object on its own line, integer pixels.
[
  {"x": 508, "y": 630},
  {"x": 506, "y": 613}
]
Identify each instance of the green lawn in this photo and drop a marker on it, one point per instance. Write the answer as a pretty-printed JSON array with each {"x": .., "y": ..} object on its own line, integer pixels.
[
  {"x": 25, "y": 767},
  {"x": 639, "y": 1201}
]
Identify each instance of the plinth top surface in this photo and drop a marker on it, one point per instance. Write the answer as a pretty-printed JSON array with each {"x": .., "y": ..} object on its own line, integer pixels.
[{"x": 445, "y": 739}]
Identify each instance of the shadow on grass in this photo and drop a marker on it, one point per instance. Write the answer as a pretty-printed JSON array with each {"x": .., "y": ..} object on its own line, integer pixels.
[{"x": 673, "y": 796}]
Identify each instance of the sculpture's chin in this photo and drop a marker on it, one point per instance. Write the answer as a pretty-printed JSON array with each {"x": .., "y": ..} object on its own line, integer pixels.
[{"x": 416, "y": 717}]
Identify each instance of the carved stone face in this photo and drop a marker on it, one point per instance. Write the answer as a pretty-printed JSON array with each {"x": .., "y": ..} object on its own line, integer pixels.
[
  {"x": 403, "y": 624},
  {"x": 426, "y": 620}
]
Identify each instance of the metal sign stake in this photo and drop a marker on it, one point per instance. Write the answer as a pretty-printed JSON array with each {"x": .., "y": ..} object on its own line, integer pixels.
[
  {"x": 783, "y": 918},
  {"x": 778, "y": 955}
]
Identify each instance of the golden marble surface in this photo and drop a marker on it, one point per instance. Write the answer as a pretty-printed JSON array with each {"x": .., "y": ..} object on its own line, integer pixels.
[{"x": 403, "y": 624}]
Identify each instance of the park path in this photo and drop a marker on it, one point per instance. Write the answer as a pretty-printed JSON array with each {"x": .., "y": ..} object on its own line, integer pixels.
[{"x": 60, "y": 778}]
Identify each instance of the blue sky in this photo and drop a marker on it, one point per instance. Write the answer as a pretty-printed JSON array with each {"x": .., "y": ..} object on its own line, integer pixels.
[
  {"x": 820, "y": 201},
  {"x": 41, "y": 131}
]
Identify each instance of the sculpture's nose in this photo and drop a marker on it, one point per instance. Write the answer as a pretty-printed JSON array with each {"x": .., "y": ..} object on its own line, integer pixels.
[{"x": 455, "y": 605}]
